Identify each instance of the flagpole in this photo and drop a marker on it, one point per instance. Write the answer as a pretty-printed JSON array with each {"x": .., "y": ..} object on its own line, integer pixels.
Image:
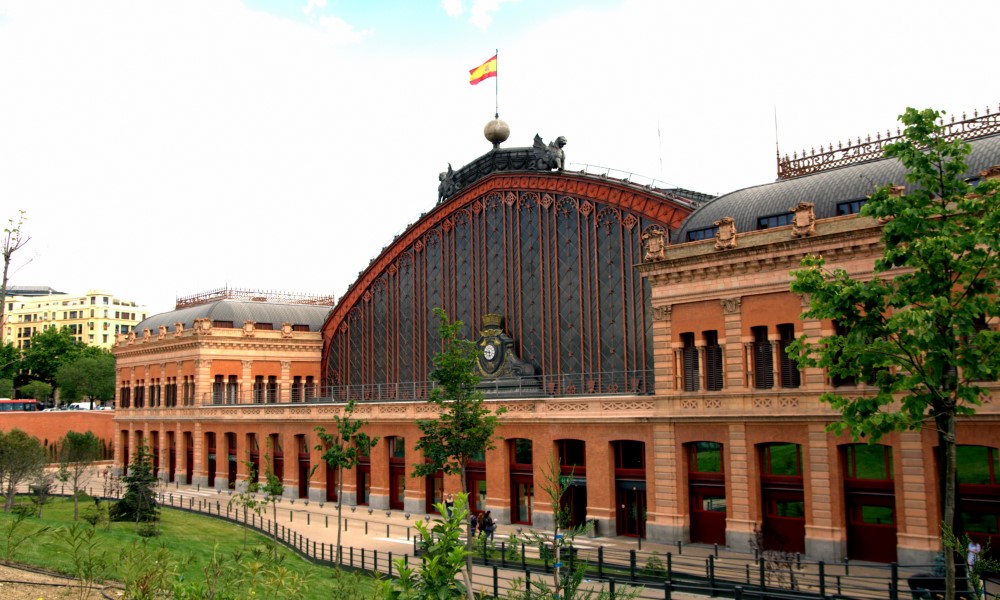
[{"x": 496, "y": 88}]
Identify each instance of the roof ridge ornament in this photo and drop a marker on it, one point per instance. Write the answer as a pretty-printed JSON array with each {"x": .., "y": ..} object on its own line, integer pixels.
[{"x": 867, "y": 150}]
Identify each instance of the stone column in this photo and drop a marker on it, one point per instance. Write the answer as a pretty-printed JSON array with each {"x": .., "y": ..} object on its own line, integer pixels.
[
  {"x": 379, "y": 492},
  {"x": 824, "y": 536},
  {"x": 285, "y": 382},
  {"x": 917, "y": 533},
  {"x": 732, "y": 343},
  {"x": 498, "y": 482},
  {"x": 663, "y": 365},
  {"x": 669, "y": 522},
  {"x": 245, "y": 392},
  {"x": 739, "y": 524},
  {"x": 200, "y": 476},
  {"x": 202, "y": 382},
  {"x": 181, "y": 455}
]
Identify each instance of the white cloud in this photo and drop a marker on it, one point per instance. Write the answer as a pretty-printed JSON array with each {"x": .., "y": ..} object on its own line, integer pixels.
[
  {"x": 452, "y": 8},
  {"x": 342, "y": 31},
  {"x": 165, "y": 148},
  {"x": 482, "y": 11},
  {"x": 314, "y": 5}
]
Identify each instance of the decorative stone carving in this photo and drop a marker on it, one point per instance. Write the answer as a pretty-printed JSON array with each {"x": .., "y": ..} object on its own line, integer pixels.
[
  {"x": 725, "y": 237},
  {"x": 178, "y": 329},
  {"x": 161, "y": 332},
  {"x": 286, "y": 330},
  {"x": 730, "y": 306},
  {"x": 248, "y": 328},
  {"x": 247, "y": 364},
  {"x": 286, "y": 365},
  {"x": 146, "y": 335},
  {"x": 131, "y": 337},
  {"x": 203, "y": 326},
  {"x": 551, "y": 156},
  {"x": 655, "y": 240},
  {"x": 661, "y": 313},
  {"x": 803, "y": 219},
  {"x": 990, "y": 173}
]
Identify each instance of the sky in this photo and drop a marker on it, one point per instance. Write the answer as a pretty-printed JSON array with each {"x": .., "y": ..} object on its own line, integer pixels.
[{"x": 165, "y": 148}]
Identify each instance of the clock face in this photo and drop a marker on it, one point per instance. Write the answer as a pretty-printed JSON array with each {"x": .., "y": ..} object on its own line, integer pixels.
[{"x": 489, "y": 352}]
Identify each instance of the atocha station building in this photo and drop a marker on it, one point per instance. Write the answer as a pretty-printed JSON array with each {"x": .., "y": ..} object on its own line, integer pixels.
[{"x": 634, "y": 333}]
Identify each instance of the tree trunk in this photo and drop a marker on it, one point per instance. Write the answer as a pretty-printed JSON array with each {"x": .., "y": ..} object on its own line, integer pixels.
[
  {"x": 340, "y": 504},
  {"x": 468, "y": 542},
  {"x": 946, "y": 440}
]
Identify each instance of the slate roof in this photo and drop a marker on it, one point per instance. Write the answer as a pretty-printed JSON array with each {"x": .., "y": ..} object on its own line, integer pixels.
[
  {"x": 239, "y": 311},
  {"x": 825, "y": 190}
]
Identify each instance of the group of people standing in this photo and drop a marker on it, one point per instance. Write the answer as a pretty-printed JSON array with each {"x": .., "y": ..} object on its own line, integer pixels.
[{"x": 482, "y": 523}]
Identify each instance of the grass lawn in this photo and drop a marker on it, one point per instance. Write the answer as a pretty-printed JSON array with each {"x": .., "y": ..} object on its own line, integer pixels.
[{"x": 190, "y": 539}]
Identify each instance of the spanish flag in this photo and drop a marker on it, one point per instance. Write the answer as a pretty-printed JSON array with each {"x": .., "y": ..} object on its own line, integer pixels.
[{"x": 486, "y": 70}]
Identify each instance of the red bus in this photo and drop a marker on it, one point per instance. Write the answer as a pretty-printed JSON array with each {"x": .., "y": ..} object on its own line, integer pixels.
[{"x": 20, "y": 405}]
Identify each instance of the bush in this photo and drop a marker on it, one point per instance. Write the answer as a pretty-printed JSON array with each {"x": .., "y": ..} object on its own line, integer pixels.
[{"x": 655, "y": 567}]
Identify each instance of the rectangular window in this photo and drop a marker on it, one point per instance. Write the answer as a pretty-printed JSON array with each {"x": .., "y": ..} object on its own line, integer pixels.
[
  {"x": 763, "y": 359},
  {"x": 790, "y": 376},
  {"x": 232, "y": 390},
  {"x": 783, "y": 459},
  {"x": 522, "y": 452},
  {"x": 869, "y": 461},
  {"x": 258, "y": 389},
  {"x": 702, "y": 234},
  {"x": 706, "y": 457},
  {"x": 272, "y": 389},
  {"x": 852, "y": 207},
  {"x": 300, "y": 327},
  {"x": 397, "y": 447},
  {"x": 689, "y": 358},
  {"x": 297, "y": 389},
  {"x": 713, "y": 361},
  {"x": 775, "y": 221}
]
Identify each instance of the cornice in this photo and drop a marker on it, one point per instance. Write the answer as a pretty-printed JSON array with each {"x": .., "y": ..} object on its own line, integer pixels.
[
  {"x": 197, "y": 342},
  {"x": 780, "y": 254}
]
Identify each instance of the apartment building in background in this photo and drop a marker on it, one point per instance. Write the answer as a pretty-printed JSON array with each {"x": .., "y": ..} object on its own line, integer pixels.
[{"x": 93, "y": 318}]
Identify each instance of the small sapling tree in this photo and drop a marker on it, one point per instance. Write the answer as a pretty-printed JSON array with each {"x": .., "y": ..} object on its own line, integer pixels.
[{"x": 342, "y": 449}]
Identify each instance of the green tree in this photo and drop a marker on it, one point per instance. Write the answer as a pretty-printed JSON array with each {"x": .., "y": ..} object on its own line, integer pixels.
[
  {"x": 917, "y": 329},
  {"x": 48, "y": 350},
  {"x": 138, "y": 503},
  {"x": 273, "y": 488},
  {"x": 6, "y": 388},
  {"x": 464, "y": 428},
  {"x": 247, "y": 499},
  {"x": 10, "y": 360},
  {"x": 441, "y": 560},
  {"x": 39, "y": 390},
  {"x": 77, "y": 453},
  {"x": 22, "y": 458},
  {"x": 87, "y": 377},
  {"x": 13, "y": 240},
  {"x": 342, "y": 450}
]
